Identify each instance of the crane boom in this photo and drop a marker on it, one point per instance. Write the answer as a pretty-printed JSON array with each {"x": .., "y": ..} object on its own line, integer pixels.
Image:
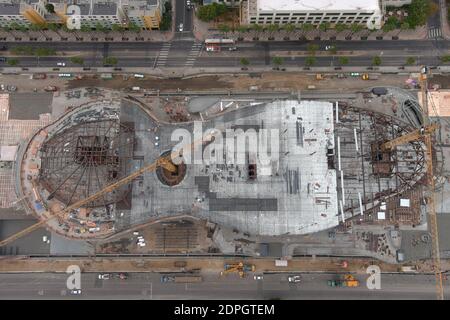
[
  {"x": 412, "y": 136},
  {"x": 165, "y": 161}
]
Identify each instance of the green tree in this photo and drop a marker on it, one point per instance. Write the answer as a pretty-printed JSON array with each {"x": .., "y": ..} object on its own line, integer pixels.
[
  {"x": 211, "y": 11},
  {"x": 410, "y": 61},
  {"x": 289, "y": 28},
  {"x": 277, "y": 61},
  {"x": 312, "y": 48},
  {"x": 242, "y": 29},
  {"x": 117, "y": 27},
  {"x": 356, "y": 27},
  {"x": 100, "y": 27},
  {"x": 50, "y": 8},
  {"x": 324, "y": 26},
  {"x": 12, "y": 62},
  {"x": 36, "y": 27},
  {"x": 310, "y": 61},
  {"x": 110, "y": 61},
  {"x": 307, "y": 27},
  {"x": 340, "y": 27},
  {"x": 52, "y": 27},
  {"x": 77, "y": 60},
  {"x": 224, "y": 28},
  {"x": 405, "y": 25},
  {"x": 391, "y": 23},
  {"x": 343, "y": 60},
  {"x": 376, "y": 61},
  {"x": 135, "y": 28},
  {"x": 244, "y": 62},
  {"x": 85, "y": 28},
  {"x": 418, "y": 12},
  {"x": 445, "y": 59},
  {"x": 257, "y": 27}
]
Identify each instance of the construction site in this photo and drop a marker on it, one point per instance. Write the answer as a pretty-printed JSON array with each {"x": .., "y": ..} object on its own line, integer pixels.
[{"x": 343, "y": 174}]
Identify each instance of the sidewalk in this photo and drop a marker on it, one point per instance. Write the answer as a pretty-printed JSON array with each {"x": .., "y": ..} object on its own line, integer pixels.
[
  {"x": 93, "y": 36},
  {"x": 202, "y": 31}
]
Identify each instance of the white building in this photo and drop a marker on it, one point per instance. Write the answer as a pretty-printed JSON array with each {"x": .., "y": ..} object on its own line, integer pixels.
[{"x": 364, "y": 12}]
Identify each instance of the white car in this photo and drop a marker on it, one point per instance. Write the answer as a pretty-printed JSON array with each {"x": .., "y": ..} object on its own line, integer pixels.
[
  {"x": 294, "y": 279},
  {"x": 141, "y": 244},
  {"x": 258, "y": 277},
  {"x": 103, "y": 276},
  {"x": 61, "y": 64},
  {"x": 180, "y": 28},
  {"x": 75, "y": 291}
]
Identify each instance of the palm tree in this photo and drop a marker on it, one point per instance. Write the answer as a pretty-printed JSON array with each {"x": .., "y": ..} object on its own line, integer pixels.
[
  {"x": 289, "y": 28},
  {"x": 306, "y": 28},
  {"x": 343, "y": 60},
  {"x": 277, "y": 61},
  {"x": 272, "y": 28},
  {"x": 410, "y": 61},
  {"x": 376, "y": 61},
  {"x": 244, "y": 63},
  {"x": 257, "y": 28},
  {"x": 12, "y": 62},
  {"x": 224, "y": 29},
  {"x": 310, "y": 61},
  {"x": 339, "y": 27},
  {"x": 323, "y": 27},
  {"x": 355, "y": 28},
  {"x": 312, "y": 48}
]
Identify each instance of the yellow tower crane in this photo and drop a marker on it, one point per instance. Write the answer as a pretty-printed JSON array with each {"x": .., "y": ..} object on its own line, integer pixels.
[
  {"x": 165, "y": 162},
  {"x": 425, "y": 133}
]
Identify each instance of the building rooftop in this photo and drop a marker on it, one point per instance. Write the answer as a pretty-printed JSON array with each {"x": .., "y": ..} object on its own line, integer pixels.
[{"x": 318, "y": 5}]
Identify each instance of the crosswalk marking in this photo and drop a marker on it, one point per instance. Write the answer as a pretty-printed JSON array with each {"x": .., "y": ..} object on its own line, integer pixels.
[
  {"x": 434, "y": 33},
  {"x": 193, "y": 54},
  {"x": 163, "y": 54}
]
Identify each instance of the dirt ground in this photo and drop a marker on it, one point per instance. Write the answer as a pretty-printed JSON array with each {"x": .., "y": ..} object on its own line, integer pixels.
[{"x": 280, "y": 81}]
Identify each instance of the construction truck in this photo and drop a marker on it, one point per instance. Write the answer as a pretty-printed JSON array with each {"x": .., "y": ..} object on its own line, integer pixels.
[
  {"x": 347, "y": 281},
  {"x": 181, "y": 279},
  {"x": 240, "y": 268},
  {"x": 320, "y": 76}
]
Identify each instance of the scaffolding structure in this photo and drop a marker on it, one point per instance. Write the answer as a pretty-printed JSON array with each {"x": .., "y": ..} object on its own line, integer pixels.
[
  {"x": 373, "y": 180},
  {"x": 84, "y": 159}
]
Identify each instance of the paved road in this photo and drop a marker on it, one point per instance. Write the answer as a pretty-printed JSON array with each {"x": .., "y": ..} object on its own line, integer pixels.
[
  {"x": 183, "y": 15},
  {"x": 148, "y": 286},
  {"x": 188, "y": 53}
]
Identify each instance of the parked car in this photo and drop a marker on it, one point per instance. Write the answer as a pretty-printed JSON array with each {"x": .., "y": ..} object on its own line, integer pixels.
[
  {"x": 232, "y": 48},
  {"x": 104, "y": 276},
  {"x": 258, "y": 277},
  {"x": 180, "y": 27},
  {"x": 294, "y": 279},
  {"x": 75, "y": 291}
]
